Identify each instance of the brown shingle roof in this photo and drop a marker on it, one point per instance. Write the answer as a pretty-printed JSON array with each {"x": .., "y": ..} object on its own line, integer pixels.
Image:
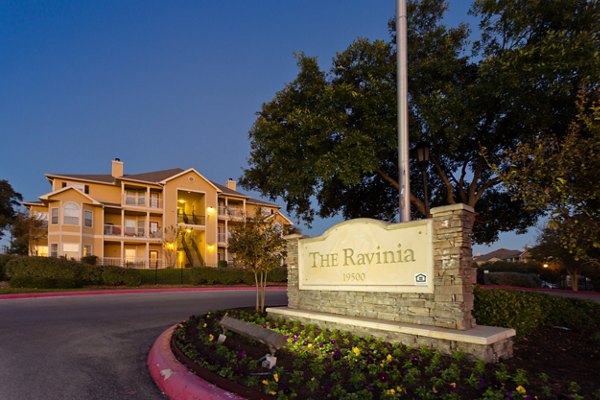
[
  {"x": 500, "y": 254},
  {"x": 156, "y": 177}
]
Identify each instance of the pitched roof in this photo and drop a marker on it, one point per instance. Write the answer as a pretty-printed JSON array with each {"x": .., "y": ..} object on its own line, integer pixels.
[
  {"x": 155, "y": 177},
  {"x": 500, "y": 254}
]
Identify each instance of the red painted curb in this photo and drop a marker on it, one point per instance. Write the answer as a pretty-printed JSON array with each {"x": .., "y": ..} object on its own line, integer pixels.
[
  {"x": 174, "y": 380},
  {"x": 542, "y": 290},
  {"x": 128, "y": 291}
]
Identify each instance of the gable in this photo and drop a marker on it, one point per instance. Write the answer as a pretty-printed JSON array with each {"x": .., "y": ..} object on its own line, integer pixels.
[{"x": 68, "y": 194}]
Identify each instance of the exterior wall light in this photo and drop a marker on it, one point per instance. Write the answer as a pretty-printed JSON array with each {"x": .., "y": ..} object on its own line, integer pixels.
[{"x": 210, "y": 210}]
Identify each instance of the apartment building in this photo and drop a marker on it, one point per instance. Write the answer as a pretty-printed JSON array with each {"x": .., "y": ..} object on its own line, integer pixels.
[{"x": 169, "y": 218}]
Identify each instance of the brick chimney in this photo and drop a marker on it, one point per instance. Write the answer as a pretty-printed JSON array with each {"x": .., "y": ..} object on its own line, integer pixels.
[
  {"x": 231, "y": 184},
  {"x": 117, "y": 168}
]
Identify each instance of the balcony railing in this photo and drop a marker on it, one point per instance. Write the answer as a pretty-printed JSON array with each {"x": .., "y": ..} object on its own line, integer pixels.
[
  {"x": 222, "y": 237},
  {"x": 191, "y": 219},
  {"x": 132, "y": 262},
  {"x": 231, "y": 212},
  {"x": 115, "y": 230},
  {"x": 142, "y": 201}
]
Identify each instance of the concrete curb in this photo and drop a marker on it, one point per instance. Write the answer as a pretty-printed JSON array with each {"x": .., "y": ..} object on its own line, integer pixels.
[
  {"x": 129, "y": 291},
  {"x": 173, "y": 378}
]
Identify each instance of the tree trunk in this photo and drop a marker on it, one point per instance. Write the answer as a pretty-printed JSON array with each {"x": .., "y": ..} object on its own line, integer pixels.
[
  {"x": 257, "y": 307},
  {"x": 574, "y": 281}
]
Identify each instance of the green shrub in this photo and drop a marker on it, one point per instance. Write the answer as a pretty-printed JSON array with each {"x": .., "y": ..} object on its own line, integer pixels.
[
  {"x": 512, "y": 279},
  {"x": 43, "y": 283},
  {"x": 4, "y": 258},
  {"x": 506, "y": 266},
  {"x": 91, "y": 274},
  {"x": 526, "y": 311},
  {"x": 117, "y": 276},
  {"x": 45, "y": 271},
  {"x": 165, "y": 276},
  {"x": 220, "y": 276},
  {"x": 90, "y": 260},
  {"x": 278, "y": 275}
]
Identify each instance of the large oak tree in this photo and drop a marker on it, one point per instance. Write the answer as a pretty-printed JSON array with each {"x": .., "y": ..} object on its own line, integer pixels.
[{"x": 327, "y": 142}]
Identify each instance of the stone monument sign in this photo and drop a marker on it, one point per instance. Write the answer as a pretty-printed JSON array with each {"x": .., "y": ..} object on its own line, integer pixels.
[{"x": 409, "y": 282}]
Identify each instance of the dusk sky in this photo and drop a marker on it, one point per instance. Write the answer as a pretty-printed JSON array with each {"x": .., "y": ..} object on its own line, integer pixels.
[{"x": 161, "y": 84}]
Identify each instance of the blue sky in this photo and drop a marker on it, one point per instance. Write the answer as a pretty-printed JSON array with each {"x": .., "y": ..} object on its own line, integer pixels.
[{"x": 83, "y": 82}]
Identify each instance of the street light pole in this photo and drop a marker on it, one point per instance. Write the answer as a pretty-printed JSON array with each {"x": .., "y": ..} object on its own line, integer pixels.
[
  {"x": 423, "y": 160},
  {"x": 402, "y": 88}
]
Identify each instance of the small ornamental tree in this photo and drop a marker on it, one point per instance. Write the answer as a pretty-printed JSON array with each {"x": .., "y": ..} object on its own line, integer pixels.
[
  {"x": 168, "y": 244},
  {"x": 258, "y": 246}
]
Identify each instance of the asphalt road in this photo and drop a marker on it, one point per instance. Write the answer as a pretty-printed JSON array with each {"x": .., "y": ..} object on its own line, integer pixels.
[{"x": 95, "y": 347}]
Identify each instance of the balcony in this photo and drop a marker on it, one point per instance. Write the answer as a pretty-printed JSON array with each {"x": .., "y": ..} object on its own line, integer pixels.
[
  {"x": 222, "y": 237},
  {"x": 232, "y": 213},
  {"x": 131, "y": 232},
  {"x": 183, "y": 218},
  {"x": 132, "y": 262},
  {"x": 140, "y": 199}
]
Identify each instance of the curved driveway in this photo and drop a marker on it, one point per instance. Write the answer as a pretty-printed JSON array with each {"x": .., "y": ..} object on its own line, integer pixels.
[{"x": 95, "y": 347}]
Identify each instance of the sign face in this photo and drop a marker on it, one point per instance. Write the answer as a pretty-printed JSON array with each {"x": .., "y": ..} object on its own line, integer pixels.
[{"x": 367, "y": 255}]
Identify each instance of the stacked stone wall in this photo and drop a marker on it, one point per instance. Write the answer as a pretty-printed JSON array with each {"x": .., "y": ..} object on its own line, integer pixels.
[{"x": 449, "y": 306}]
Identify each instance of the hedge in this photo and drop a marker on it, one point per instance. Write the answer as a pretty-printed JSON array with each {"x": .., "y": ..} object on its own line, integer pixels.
[
  {"x": 117, "y": 276},
  {"x": 44, "y": 272},
  {"x": 526, "y": 311},
  {"x": 4, "y": 259},
  {"x": 527, "y": 280},
  {"x": 48, "y": 272}
]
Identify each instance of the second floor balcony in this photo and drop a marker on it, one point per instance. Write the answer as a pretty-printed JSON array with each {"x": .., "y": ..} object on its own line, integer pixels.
[{"x": 131, "y": 232}]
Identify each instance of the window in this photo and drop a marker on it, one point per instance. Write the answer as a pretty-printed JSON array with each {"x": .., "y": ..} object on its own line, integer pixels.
[
  {"x": 154, "y": 200},
  {"x": 87, "y": 250},
  {"x": 42, "y": 218},
  {"x": 130, "y": 256},
  {"x": 71, "y": 214},
  {"x": 130, "y": 226},
  {"x": 87, "y": 218},
  {"x": 54, "y": 250},
  {"x": 54, "y": 212},
  {"x": 79, "y": 186},
  {"x": 71, "y": 251},
  {"x": 41, "y": 251},
  {"x": 141, "y": 225},
  {"x": 135, "y": 197}
]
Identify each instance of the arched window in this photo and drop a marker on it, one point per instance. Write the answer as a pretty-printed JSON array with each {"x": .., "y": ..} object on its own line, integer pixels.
[{"x": 71, "y": 214}]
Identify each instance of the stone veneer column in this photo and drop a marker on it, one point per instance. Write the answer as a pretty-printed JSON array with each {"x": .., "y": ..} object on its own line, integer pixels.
[
  {"x": 292, "y": 268},
  {"x": 453, "y": 275}
]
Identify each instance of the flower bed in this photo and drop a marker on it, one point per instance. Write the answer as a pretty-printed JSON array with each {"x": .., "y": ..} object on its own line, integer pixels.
[{"x": 321, "y": 364}]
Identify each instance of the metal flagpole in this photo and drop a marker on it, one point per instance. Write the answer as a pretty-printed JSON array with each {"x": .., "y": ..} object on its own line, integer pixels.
[{"x": 402, "y": 84}]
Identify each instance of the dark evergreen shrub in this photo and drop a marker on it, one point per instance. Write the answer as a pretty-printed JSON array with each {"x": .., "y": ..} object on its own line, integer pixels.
[
  {"x": 46, "y": 271},
  {"x": 117, "y": 276},
  {"x": 90, "y": 260},
  {"x": 527, "y": 311}
]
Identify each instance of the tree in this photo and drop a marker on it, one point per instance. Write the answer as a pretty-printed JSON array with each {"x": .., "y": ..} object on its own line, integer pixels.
[
  {"x": 259, "y": 246},
  {"x": 168, "y": 244},
  {"x": 9, "y": 203},
  {"x": 27, "y": 231},
  {"x": 550, "y": 249},
  {"x": 330, "y": 137},
  {"x": 559, "y": 175}
]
